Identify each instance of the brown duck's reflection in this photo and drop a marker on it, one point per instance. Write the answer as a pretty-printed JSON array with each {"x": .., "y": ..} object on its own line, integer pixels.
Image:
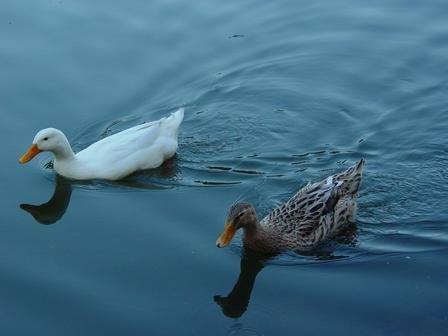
[
  {"x": 235, "y": 304},
  {"x": 53, "y": 210}
]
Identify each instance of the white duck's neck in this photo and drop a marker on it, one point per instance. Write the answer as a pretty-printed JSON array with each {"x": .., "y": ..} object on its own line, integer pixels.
[{"x": 63, "y": 151}]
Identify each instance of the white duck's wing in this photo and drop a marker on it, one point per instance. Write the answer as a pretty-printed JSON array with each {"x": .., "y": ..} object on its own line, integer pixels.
[
  {"x": 140, "y": 147},
  {"x": 123, "y": 143},
  {"x": 169, "y": 127}
]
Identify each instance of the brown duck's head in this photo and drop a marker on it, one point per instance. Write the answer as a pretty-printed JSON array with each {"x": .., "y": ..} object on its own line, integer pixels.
[{"x": 241, "y": 215}]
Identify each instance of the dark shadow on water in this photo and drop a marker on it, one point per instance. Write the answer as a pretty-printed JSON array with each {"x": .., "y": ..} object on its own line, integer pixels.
[
  {"x": 235, "y": 304},
  {"x": 52, "y": 211}
]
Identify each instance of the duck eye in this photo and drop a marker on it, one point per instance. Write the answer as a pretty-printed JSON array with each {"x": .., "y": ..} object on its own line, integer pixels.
[{"x": 46, "y": 138}]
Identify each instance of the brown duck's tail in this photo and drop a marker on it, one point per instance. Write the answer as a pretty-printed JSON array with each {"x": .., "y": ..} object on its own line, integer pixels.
[{"x": 350, "y": 180}]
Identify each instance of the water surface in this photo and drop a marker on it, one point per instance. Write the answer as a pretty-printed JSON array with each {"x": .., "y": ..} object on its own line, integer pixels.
[{"x": 276, "y": 94}]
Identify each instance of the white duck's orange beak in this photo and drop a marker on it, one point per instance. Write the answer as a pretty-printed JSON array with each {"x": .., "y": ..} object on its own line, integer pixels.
[
  {"x": 227, "y": 235},
  {"x": 32, "y": 152}
]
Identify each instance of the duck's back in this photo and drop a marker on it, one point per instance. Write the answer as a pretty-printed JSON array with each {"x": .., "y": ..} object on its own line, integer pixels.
[
  {"x": 316, "y": 211},
  {"x": 141, "y": 147}
]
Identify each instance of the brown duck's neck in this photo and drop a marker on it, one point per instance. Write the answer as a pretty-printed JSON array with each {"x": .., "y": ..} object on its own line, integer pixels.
[{"x": 255, "y": 236}]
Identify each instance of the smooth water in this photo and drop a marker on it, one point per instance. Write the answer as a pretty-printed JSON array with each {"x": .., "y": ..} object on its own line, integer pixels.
[{"x": 276, "y": 94}]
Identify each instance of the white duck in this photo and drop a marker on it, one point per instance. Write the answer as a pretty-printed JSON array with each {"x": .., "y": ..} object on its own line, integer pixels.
[{"x": 140, "y": 147}]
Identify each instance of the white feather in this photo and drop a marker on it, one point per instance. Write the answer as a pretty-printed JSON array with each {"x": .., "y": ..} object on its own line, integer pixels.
[{"x": 140, "y": 147}]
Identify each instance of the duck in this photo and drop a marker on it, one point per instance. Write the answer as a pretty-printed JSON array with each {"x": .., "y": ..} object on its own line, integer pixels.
[
  {"x": 314, "y": 214},
  {"x": 141, "y": 147}
]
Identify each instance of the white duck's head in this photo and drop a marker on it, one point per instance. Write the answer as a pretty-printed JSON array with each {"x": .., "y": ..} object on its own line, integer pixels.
[{"x": 48, "y": 139}]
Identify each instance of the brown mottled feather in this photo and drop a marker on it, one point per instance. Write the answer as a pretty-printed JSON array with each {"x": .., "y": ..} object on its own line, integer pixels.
[{"x": 312, "y": 215}]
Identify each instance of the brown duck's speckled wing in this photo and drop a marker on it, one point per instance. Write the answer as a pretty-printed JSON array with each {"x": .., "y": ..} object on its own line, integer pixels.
[
  {"x": 303, "y": 213},
  {"x": 350, "y": 179}
]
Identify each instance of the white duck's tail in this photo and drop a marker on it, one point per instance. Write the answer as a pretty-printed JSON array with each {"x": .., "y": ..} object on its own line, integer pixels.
[{"x": 173, "y": 122}]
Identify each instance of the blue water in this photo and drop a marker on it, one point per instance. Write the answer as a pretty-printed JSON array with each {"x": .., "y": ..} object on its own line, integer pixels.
[{"x": 276, "y": 94}]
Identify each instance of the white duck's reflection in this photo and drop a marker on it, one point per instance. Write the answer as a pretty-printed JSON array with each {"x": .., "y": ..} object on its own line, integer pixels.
[
  {"x": 52, "y": 211},
  {"x": 235, "y": 304}
]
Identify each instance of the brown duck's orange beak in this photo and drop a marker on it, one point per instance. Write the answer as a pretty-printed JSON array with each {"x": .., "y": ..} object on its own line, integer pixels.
[
  {"x": 227, "y": 235},
  {"x": 32, "y": 152}
]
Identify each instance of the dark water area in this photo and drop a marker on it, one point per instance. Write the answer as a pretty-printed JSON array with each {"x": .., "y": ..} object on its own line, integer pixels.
[{"x": 276, "y": 94}]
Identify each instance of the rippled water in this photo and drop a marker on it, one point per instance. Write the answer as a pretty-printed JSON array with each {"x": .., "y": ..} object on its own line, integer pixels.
[{"x": 276, "y": 94}]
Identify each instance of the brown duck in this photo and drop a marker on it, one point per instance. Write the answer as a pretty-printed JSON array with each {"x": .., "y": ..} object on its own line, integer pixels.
[{"x": 312, "y": 215}]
